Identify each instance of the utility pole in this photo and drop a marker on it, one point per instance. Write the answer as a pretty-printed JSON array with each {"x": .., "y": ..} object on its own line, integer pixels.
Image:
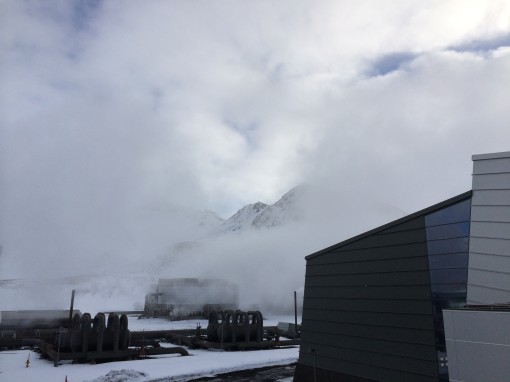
[
  {"x": 71, "y": 308},
  {"x": 295, "y": 315}
]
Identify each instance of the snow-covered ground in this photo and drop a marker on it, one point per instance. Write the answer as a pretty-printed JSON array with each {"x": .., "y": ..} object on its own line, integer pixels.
[{"x": 173, "y": 367}]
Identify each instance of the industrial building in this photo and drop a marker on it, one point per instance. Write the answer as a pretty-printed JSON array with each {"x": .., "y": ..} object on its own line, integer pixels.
[
  {"x": 373, "y": 304},
  {"x": 190, "y": 297}
]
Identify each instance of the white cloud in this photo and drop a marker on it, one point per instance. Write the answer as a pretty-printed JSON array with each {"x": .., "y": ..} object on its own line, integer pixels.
[{"x": 108, "y": 110}]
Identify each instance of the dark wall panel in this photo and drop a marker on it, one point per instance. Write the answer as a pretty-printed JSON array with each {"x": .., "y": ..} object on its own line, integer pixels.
[
  {"x": 406, "y": 226},
  {"x": 390, "y": 239},
  {"x": 383, "y": 320},
  {"x": 414, "y": 307},
  {"x": 390, "y": 333},
  {"x": 394, "y": 292},
  {"x": 341, "y": 255},
  {"x": 306, "y": 373},
  {"x": 390, "y": 349},
  {"x": 370, "y": 266},
  {"x": 372, "y": 365},
  {"x": 367, "y": 307},
  {"x": 403, "y": 279}
]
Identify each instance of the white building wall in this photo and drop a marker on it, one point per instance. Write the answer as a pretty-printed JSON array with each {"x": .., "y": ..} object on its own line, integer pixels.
[
  {"x": 478, "y": 345},
  {"x": 489, "y": 242}
]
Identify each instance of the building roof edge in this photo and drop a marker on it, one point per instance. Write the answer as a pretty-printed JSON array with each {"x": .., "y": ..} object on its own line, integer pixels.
[
  {"x": 504, "y": 154},
  {"x": 424, "y": 211}
]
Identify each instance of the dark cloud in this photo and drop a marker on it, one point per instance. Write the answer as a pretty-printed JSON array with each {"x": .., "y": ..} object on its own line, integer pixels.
[
  {"x": 83, "y": 11},
  {"x": 390, "y": 62},
  {"x": 483, "y": 45}
]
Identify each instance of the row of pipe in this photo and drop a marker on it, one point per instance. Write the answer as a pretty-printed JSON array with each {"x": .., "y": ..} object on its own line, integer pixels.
[
  {"x": 235, "y": 326},
  {"x": 97, "y": 335}
]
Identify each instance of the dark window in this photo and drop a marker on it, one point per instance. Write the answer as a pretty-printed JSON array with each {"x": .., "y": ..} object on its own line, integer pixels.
[
  {"x": 447, "y": 233},
  {"x": 448, "y": 276},
  {"x": 452, "y": 260},
  {"x": 449, "y": 288},
  {"x": 437, "y": 247},
  {"x": 457, "y": 213}
]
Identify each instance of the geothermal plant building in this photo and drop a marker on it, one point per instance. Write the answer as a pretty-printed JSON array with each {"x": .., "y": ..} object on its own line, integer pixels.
[
  {"x": 190, "y": 297},
  {"x": 374, "y": 304}
]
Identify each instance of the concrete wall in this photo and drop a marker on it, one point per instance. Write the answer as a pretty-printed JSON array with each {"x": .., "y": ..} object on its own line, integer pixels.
[
  {"x": 478, "y": 345},
  {"x": 489, "y": 243}
]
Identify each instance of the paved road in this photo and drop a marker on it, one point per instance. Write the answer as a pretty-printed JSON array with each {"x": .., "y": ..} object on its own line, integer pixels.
[{"x": 266, "y": 374}]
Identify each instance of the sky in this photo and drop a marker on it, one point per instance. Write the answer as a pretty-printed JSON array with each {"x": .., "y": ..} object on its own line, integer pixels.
[{"x": 114, "y": 112}]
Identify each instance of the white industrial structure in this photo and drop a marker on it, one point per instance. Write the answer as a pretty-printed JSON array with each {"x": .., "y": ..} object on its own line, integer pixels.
[
  {"x": 478, "y": 338},
  {"x": 190, "y": 297}
]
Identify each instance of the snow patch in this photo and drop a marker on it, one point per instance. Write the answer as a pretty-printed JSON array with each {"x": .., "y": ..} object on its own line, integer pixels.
[{"x": 124, "y": 375}]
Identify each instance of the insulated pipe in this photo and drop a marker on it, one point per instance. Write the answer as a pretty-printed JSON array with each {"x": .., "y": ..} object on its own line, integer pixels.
[
  {"x": 227, "y": 325},
  {"x": 76, "y": 323},
  {"x": 212, "y": 327},
  {"x": 213, "y": 317},
  {"x": 124, "y": 332},
  {"x": 242, "y": 324},
  {"x": 99, "y": 327},
  {"x": 173, "y": 350},
  {"x": 85, "y": 329},
  {"x": 113, "y": 328},
  {"x": 256, "y": 326}
]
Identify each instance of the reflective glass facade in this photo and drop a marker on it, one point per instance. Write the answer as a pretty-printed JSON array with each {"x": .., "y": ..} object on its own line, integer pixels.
[{"x": 447, "y": 232}]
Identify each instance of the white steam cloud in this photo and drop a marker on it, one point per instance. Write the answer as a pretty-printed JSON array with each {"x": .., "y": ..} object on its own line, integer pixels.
[{"x": 117, "y": 121}]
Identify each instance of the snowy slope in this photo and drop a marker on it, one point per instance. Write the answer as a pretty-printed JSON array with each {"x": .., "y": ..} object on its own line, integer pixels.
[
  {"x": 242, "y": 219},
  {"x": 281, "y": 212},
  {"x": 261, "y": 215}
]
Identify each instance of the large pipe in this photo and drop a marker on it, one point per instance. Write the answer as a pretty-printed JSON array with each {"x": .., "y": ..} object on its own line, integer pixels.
[
  {"x": 123, "y": 332},
  {"x": 114, "y": 328},
  {"x": 85, "y": 330},
  {"x": 99, "y": 327},
  {"x": 172, "y": 350}
]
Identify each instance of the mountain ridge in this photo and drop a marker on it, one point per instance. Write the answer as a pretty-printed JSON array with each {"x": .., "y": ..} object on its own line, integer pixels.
[{"x": 261, "y": 215}]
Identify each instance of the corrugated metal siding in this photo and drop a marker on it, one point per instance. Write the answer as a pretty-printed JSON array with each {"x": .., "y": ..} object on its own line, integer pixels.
[
  {"x": 367, "y": 309},
  {"x": 489, "y": 249}
]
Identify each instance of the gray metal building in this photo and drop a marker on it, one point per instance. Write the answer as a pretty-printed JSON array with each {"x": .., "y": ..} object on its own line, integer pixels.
[{"x": 373, "y": 304}]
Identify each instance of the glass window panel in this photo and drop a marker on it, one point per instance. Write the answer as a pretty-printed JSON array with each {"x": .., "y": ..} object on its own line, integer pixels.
[
  {"x": 448, "y": 231},
  {"x": 440, "y": 333},
  {"x": 452, "y": 260},
  {"x": 439, "y": 305},
  {"x": 449, "y": 297},
  {"x": 448, "y": 276},
  {"x": 456, "y": 213},
  {"x": 437, "y": 247},
  {"x": 449, "y": 288}
]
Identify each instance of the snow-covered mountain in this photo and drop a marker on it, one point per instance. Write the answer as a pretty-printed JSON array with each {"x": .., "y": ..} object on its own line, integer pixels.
[
  {"x": 284, "y": 210},
  {"x": 260, "y": 215},
  {"x": 242, "y": 219}
]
